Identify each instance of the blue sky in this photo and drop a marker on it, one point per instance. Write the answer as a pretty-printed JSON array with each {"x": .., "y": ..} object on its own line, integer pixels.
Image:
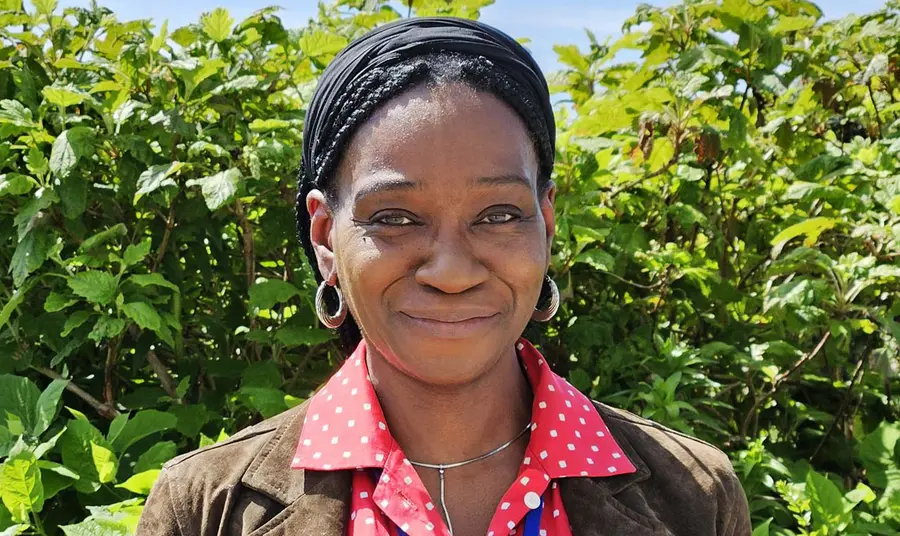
[{"x": 546, "y": 23}]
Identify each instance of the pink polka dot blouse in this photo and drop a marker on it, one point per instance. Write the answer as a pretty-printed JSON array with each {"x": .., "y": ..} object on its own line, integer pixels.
[{"x": 345, "y": 429}]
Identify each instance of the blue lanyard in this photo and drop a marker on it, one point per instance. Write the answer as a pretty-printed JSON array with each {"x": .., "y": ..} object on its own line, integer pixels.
[{"x": 532, "y": 522}]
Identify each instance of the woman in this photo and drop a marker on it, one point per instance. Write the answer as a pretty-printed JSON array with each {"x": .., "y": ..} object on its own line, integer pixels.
[{"x": 426, "y": 209}]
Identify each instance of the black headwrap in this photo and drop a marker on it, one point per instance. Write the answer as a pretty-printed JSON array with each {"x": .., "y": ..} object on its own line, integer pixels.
[{"x": 402, "y": 39}]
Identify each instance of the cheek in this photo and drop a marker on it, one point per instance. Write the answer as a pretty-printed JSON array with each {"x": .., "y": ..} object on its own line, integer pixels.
[{"x": 366, "y": 266}]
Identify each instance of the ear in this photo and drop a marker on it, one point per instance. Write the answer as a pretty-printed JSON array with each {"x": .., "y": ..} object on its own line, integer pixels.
[
  {"x": 321, "y": 223},
  {"x": 547, "y": 203}
]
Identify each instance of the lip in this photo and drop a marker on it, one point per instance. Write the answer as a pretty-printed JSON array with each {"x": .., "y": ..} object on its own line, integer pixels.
[{"x": 450, "y": 324}]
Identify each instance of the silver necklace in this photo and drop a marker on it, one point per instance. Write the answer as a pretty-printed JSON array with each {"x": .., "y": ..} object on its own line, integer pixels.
[{"x": 441, "y": 467}]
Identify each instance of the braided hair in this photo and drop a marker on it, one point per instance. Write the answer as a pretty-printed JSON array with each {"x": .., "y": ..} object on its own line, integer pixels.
[{"x": 381, "y": 85}]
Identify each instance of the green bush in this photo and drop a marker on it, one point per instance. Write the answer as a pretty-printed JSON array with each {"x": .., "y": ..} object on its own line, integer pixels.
[{"x": 727, "y": 248}]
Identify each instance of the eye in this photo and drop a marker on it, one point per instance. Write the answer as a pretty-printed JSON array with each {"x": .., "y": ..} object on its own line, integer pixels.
[
  {"x": 498, "y": 217},
  {"x": 396, "y": 220}
]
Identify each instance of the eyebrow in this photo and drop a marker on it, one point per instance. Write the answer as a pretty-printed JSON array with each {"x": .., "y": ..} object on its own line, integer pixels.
[{"x": 393, "y": 185}]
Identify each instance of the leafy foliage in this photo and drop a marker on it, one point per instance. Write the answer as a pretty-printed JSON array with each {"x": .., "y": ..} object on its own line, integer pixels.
[{"x": 728, "y": 228}]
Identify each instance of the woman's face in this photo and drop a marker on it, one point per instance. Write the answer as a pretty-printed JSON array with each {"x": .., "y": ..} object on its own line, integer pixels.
[{"x": 439, "y": 237}]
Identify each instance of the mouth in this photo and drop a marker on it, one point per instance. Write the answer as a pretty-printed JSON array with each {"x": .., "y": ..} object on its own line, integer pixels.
[{"x": 450, "y": 325}]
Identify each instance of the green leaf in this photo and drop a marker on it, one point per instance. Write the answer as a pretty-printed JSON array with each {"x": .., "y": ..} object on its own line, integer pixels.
[
  {"x": 57, "y": 302},
  {"x": 105, "y": 462},
  {"x": 268, "y": 125},
  {"x": 266, "y": 294},
  {"x": 810, "y": 228},
  {"x": 194, "y": 71},
  {"x": 156, "y": 456},
  {"x": 68, "y": 148},
  {"x": 143, "y": 314},
  {"x": 267, "y": 401},
  {"x": 15, "y": 184},
  {"x": 20, "y": 398},
  {"x": 75, "y": 320},
  {"x": 94, "y": 286},
  {"x": 792, "y": 24},
  {"x": 154, "y": 279},
  {"x": 293, "y": 335},
  {"x": 155, "y": 178},
  {"x": 321, "y": 44},
  {"x": 15, "y": 113},
  {"x": 596, "y": 259},
  {"x": 77, "y": 453},
  {"x": 141, "y": 483},
  {"x": 135, "y": 253},
  {"x": 107, "y": 327},
  {"x": 825, "y": 499},
  {"x": 64, "y": 96},
  {"x": 103, "y": 237},
  {"x": 45, "y": 7},
  {"x": 30, "y": 255},
  {"x": 876, "y": 451},
  {"x": 118, "y": 519},
  {"x": 141, "y": 425},
  {"x": 218, "y": 189},
  {"x": 762, "y": 529},
  {"x": 20, "y": 486},
  {"x": 217, "y": 24},
  {"x": 47, "y": 404}
]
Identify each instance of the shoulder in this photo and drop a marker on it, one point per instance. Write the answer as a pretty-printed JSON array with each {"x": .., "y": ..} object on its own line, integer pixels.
[{"x": 682, "y": 473}]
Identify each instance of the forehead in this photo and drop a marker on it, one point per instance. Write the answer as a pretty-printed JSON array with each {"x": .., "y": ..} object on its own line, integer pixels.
[{"x": 440, "y": 138}]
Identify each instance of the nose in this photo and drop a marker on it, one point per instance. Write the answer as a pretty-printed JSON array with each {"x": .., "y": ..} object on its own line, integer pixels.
[{"x": 451, "y": 265}]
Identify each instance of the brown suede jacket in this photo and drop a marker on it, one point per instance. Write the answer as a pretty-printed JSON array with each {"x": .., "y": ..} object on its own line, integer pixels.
[{"x": 244, "y": 487}]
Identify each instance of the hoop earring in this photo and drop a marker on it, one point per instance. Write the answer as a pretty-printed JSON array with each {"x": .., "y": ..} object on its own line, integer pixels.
[
  {"x": 330, "y": 321},
  {"x": 544, "y": 315}
]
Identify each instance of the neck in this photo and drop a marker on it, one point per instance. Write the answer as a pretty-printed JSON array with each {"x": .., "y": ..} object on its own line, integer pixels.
[{"x": 446, "y": 424}]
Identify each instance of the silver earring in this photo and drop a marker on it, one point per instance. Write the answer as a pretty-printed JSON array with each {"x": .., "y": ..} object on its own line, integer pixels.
[
  {"x": 544, "y": 315},
  {"x": 330, "y": 321}
]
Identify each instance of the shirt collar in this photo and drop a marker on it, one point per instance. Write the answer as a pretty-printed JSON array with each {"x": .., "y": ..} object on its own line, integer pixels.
[{"x": 345, "y": 426}]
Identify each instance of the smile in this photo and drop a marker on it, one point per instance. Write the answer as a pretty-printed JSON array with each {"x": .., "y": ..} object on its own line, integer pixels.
[{"x": 450, "y": 326}]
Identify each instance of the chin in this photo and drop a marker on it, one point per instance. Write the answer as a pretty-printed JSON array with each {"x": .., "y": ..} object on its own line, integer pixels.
[{"x": 438, "y": 361}]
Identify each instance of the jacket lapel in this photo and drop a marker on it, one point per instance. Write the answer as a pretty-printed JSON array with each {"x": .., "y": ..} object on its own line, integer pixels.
[
  {"x": 316, "y": 503},
  {"x": 594, "y": 508}
]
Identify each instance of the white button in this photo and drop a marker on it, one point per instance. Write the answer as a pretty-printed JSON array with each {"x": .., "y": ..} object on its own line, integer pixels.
[{"x": 532, "y": 500}]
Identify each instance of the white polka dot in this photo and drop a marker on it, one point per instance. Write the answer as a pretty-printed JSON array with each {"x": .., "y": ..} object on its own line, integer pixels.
[
  {"x": 551, "y": 388},
  {"x": 571, "y": 393},
  {"x": 352, "y": 516},
  {"x": 370, "y": 521},
  {"x": 543, "y": 532},
  {"x": 586, "y": 407},
  {"x": 307, "y": 442},
  {"x": 340, "y": 372},
  {"x": 533, "y": 426},
  {"x": 562, "y": 464},
  {"x": 379, "y": 456},
  {"x": 364, "y": 440},
  {"x": 324, "y": 427},
  {"x": 334, "y": 440},
  {"x": 527, "y": 460},
  {"x": 382, "y": 426},
  {"x": 357, "y": 362},
  {"x": 329, "y": 397},
  {"x": 542, "y": 405},
  {"x": 384, "y": 503},
  {"x": 553, "y": 485},
  {"x": 363, "y": 494},
  {"x": 317, "y": 455},
  {"x": 584, "y": 473},
  {"x": 346, "y": 454},
  {"x": 345, "y": 381},
  {"x": 577, "y": 434},
  {"x": 296, "y": 460},
  {"x": 338, "y": 409},
  {"x": 611, "y": 469},
  {"x": 600, "y": 434},
  {"x": 504, "y": 506},
  {"x": 524, "y": 480},
  {"x": 553, "y": 433},
  {"x": 556, "y": 513},
  {"x": 406, "y": 462},
  {"x": 519, "y": 346},
  {"x": 616, "y": 455},
  {"x": 546, "y": 477},
  {"x": 407, "y": 481},
  {"x": 590, "y": 461},
  {"x": 351, "y": 423},
  {"x": 385, "y": 478},
  {"x": 543, "y": 454},
  {"x": 405, "y": 527},
  {"x": 568, "y": 404},
  {"x": 562, "y": 417},
  {"x": 511, "y": 525},
  {"x": 354, "y": 391},
  {"x": 367, "y": 406},
  {"x": 429, "y": 506},
  {"x": 316, "y": 417},
  {"x": 540, "y": 361},
  {"x": 326, "y": 466},
  {"x": 532, "y": 500},
  {"x": 594, "y": 448},
  {"x": 581, "y": 420},
  {"x": 429, "y": 526},
  {"x": 571, "y": 446}
]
